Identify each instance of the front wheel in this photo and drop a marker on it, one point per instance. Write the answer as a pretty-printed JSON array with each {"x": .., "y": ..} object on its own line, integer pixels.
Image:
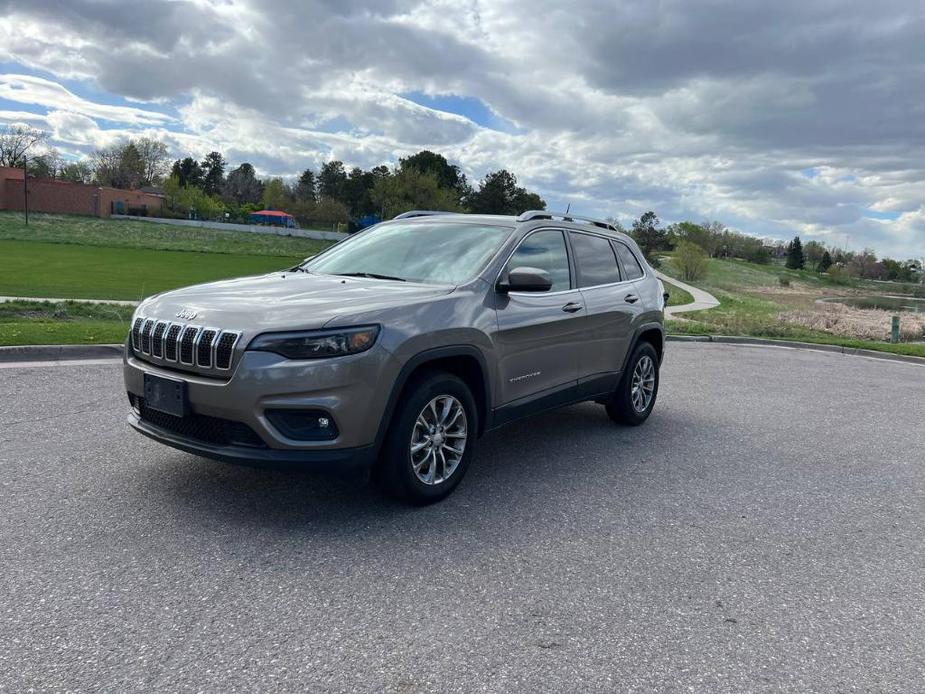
[
  {"x": 430, "y": 441},
  {"x": 634, "y": 398}
]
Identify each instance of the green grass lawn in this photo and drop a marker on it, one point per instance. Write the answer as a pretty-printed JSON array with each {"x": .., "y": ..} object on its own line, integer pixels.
[
  {"x": 676, "y": 295},
  {"x": 752, "y": 299},
  {"x": 98, "y": 272},
  {"x": 90, "y": 231},
  {"x": 43, "y": 323}
]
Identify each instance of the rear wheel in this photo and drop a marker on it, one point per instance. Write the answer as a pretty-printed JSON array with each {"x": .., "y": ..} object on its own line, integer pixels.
[
  {"x": 634, "y": 398},
  {"x": 430, "y": 441}
]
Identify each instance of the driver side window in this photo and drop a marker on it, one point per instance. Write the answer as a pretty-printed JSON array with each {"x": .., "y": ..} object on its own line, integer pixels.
[{"x": 545, "y": 250}]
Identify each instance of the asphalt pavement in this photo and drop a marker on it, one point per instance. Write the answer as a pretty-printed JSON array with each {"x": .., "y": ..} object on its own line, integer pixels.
[{"x": 764, "y": 531}]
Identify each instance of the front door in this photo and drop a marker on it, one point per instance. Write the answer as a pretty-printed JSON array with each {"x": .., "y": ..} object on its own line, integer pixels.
[{"x": 539, "y": 333}]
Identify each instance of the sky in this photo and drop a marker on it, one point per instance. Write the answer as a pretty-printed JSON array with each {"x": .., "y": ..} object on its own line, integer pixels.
[{"x": 776, "y": 118}]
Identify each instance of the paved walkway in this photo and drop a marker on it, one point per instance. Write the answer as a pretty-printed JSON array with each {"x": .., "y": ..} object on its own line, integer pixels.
[
  {"x": 4, "y": 299},
  {"x": 702, "y": 300}
]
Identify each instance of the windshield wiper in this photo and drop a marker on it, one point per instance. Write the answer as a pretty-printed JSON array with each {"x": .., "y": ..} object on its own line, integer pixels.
[{"x": 371, "y": 275}]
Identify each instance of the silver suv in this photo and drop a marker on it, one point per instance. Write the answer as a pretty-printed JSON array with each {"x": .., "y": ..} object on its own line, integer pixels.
[{"x": 398, "y": 347}]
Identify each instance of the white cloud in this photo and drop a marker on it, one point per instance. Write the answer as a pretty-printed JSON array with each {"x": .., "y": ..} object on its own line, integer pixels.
[{"x": 693, "y": 110}]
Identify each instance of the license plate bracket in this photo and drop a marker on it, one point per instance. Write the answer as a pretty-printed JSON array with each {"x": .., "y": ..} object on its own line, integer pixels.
[{"x": 166, "y": 395}]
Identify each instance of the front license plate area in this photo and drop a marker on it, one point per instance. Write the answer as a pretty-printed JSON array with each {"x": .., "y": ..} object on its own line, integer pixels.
[{"x": 166, "y": 395}]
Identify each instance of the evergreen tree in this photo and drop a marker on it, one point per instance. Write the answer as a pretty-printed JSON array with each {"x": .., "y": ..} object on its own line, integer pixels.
[
  {"x": 213, "y": 173},
  {"x": 646, "y": 232},
  {"x": 795, "y": 259},
  {"x": 824, "y": 263},
  {"x": 188, "y": 172},
  {"x": 306, "y": 187}
]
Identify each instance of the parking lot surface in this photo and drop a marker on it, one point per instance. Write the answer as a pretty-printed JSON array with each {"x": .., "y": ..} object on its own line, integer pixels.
[{"x": 765, "y": 530}]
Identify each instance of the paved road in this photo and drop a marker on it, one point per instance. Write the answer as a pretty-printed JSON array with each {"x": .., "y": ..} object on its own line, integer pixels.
[{"x": 764, "y": 531}]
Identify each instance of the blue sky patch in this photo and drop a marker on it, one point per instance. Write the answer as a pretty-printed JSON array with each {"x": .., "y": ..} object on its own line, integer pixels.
[
  {"x": 469, "y": 107},
  {"x": 874, "y": 214}
]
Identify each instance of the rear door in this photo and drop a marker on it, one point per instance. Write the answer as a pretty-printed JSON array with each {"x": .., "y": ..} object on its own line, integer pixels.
[
  {"x": 539, "y": 333},
  {"x": 611, "y": 307}
]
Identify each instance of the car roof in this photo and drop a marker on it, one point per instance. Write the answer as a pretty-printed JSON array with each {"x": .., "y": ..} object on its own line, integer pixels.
[{"x": 574, "y": 223}]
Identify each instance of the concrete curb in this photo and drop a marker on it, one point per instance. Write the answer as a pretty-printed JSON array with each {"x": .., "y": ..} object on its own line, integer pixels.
[
  {"x": 792, "y": 344},
  {"x": 58, "y": 352}
]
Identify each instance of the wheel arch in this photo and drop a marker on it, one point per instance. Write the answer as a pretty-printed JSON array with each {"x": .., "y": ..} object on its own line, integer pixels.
[
  {"x": 464, "y": 361},
  {"x": 654, "y": 334}
]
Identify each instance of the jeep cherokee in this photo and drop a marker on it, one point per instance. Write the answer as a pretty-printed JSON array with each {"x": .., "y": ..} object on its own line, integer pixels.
[{"x": 395, "y": 349}]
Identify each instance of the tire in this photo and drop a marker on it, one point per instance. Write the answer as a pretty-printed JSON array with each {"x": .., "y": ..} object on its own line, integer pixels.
[
  {"x": 624, "y": 404},
  {"x": 431, "y": 472}
]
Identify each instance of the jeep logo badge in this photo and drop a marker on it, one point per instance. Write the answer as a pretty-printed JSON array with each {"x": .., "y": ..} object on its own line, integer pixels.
[{"x": 186, "y": 313}]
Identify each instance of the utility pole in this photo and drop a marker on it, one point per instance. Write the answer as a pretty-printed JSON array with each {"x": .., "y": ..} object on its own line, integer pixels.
[{"x": 25, "y": 188}]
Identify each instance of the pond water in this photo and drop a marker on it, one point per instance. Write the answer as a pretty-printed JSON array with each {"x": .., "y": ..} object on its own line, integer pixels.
[{"x": 884, "y": 302}]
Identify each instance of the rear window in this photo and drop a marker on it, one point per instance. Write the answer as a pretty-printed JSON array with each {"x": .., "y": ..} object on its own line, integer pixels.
[
  {"x": 597, "y": 263},
  {"x": 630, "y": 265}
]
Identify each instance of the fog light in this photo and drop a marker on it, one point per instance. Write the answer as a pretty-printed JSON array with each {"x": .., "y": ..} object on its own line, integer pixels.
[{"x": 303, "y": 425}]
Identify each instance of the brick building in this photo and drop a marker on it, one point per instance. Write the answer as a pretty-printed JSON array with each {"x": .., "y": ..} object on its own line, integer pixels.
[{"x": 46, "y": 195}]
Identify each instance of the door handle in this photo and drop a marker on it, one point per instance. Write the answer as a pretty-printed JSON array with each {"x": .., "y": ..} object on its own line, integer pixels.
[
  {"x": 571, "y": 307},
  {"x": 631, "y": 298}
]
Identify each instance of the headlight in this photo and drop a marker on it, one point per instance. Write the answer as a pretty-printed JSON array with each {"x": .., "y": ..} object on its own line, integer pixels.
[{"x": 317, "y": 344}]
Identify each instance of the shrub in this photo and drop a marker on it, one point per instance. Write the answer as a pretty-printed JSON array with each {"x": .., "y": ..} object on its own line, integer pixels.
[
  {"x": 758, "y": 254},
  {"x": 838, "y": 275},
  {"x": 690, "y": 260}
]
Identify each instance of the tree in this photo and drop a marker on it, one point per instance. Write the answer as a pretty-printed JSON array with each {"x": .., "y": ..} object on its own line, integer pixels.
[
  {"x": 276, "y": 195},
  {"x": 153, "y": 157},
  {"x": 131, "y": 167},
  {"x": 213, "y": 173},
  {"x": 409, "y": 189},
  {"x": 241, "y": 185},
  {"x": 188, "y": 172},
  {"x": 795, "y": 259},
  {"x": 358, "y": 192},
  {"x": 305, "y": 188},
  {"x": 499, "y": 193},
  {"x": 332, "y": 181},
  {"x": 690, "y": 260},
  {"x": 190, "y": 201},
  {"x": 812, "y": 253},
  {"x": 448, "y": 175},
  {"x": 649, "y": 237},
  {"x": 16, "y": 141},
  {"x": 825, "y": 262},
  {"x": 865, "y": 265},
  {"x": 76, "y": 172},
  {"x": 47, "y": 165}
]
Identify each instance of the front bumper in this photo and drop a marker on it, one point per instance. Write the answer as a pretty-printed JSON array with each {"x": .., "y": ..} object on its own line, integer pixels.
[
  {"x": 354, "y": 390},
  {"x": 333, "y": 460}
]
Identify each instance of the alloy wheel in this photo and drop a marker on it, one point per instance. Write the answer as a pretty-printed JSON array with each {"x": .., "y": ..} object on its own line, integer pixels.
[
  {"x": 438, "y": 440},
  {"x": 642, "y": 387}
]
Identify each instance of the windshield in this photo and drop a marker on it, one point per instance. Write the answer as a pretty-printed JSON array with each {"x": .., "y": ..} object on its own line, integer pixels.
[{"x": 439, "y": 252}]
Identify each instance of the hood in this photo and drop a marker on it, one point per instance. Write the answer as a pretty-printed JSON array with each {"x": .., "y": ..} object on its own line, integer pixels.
[{"x": 282, "y": 301}]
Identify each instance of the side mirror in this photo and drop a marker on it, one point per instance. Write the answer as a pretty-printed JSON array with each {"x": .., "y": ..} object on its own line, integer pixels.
[{"x": 525, "y": 279}]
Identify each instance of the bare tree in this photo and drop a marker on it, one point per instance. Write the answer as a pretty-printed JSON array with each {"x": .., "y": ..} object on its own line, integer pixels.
[
  {"x": 46, "y": 165},
  {"x": 106, "y": 164},
  {"x": 154, "y": 160},
  {"x": 15, "y": 141}
]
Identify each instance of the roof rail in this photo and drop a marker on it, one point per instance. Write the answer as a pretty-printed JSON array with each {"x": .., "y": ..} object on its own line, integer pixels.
[
  {"x": 565, "y": 217},
  {"x": 420, "y": 213}
]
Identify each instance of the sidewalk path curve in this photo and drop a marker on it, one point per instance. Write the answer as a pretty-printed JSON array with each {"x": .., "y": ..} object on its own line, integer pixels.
[{"x": 702, "y": 300}]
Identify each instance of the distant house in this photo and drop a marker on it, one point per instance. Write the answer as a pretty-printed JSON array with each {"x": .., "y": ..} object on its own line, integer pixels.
[
  {"x": 273, "y": 218},
  {"x": 61, "y": 197}
]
